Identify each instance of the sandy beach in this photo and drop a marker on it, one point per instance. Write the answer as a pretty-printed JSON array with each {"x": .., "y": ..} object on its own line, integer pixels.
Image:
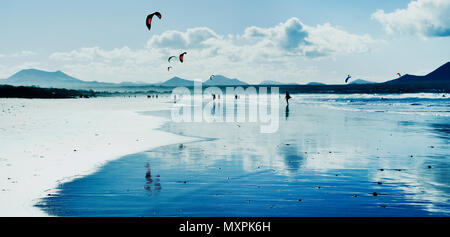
[{"x": 46, "y": 142}]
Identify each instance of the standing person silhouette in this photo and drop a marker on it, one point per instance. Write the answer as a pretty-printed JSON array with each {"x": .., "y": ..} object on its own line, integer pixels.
[{"x": 287, "y": 97}]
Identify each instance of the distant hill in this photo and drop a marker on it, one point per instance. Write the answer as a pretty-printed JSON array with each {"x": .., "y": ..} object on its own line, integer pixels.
[
  {"x": 176, "y": 81},
  {"x": 316, "y": 84},
  {"x": 58, "y": 79},
  {"x": 360, "y": 82},
  {"x": 440, "y": 75},
  {"x": 219, "y": 80},
  {"x": 270, "y": 83}
]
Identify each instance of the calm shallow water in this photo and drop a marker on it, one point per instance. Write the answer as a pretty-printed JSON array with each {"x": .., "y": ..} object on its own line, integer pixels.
[{"x": 328, "y": 158}]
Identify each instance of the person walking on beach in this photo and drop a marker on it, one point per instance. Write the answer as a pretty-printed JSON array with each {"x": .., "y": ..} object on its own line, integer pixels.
[{"x": 287, "y": 97}]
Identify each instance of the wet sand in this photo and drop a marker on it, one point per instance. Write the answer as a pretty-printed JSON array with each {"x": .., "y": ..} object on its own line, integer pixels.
[{"x": 322, "y": 162}]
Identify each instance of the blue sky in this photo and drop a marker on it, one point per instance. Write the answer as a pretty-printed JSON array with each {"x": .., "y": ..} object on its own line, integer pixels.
[{"x": 108, "y": 40}]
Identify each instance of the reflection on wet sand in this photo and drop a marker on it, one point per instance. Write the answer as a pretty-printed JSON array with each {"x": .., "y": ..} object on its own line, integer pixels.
[
  {"x": 149, "y": 181},
  {"x": 293, "y": 158}
]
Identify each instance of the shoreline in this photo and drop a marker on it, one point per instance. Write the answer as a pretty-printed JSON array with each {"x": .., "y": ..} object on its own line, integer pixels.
[{"x": 48, "y": 142}]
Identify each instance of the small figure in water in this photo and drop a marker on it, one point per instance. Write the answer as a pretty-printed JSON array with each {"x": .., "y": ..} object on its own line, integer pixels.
[
  {"x": 214, "y": 96},
  {"x": 287, "y": 97}
]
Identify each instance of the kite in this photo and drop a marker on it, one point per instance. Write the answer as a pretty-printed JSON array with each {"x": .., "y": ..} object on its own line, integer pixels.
[
  {"x": 348, "y": 77},
  {"x": 171, "y": 57},
  {"x": 148, "y": 21},
  {"x": 182, "y": 56}
]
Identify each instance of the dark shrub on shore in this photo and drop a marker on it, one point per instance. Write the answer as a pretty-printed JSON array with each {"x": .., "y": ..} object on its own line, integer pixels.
[{"x": 7, "y": 91}]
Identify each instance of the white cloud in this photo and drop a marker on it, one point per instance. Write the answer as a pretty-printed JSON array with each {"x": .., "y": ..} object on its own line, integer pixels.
[
  {"x": 256, "y": 55},
  {"x": 289, "y": 35},
  {"x": 192, "y": 38},
  {"x": 288, "y": 38},
  {"x": 295, "y": 38},
  {"x": 94, "y": 53},
  {"x": 325, "y": 39},
  {"x": 430, "y": 18},
  {"x": 23, "y": 53}
]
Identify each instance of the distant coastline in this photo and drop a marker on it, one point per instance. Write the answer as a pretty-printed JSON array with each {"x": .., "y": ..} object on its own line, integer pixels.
[
  {"x": 32, "y": 83},
  {"x": 7, "y": 91}
]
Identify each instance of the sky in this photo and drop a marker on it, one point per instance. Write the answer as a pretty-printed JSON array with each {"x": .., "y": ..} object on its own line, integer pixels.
[{"x": 290, "y": 41}]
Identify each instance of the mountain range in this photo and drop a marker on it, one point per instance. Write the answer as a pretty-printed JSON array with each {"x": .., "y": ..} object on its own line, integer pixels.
[
  {"x": 58, "y": 79},
  {"x": 440, "y": 75},
  {"x": 313, "y": 83},
  {"x": 176, "y": 81},
  {"x": 360, "y": 82},
  {"x": 217, "y": 80}
]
